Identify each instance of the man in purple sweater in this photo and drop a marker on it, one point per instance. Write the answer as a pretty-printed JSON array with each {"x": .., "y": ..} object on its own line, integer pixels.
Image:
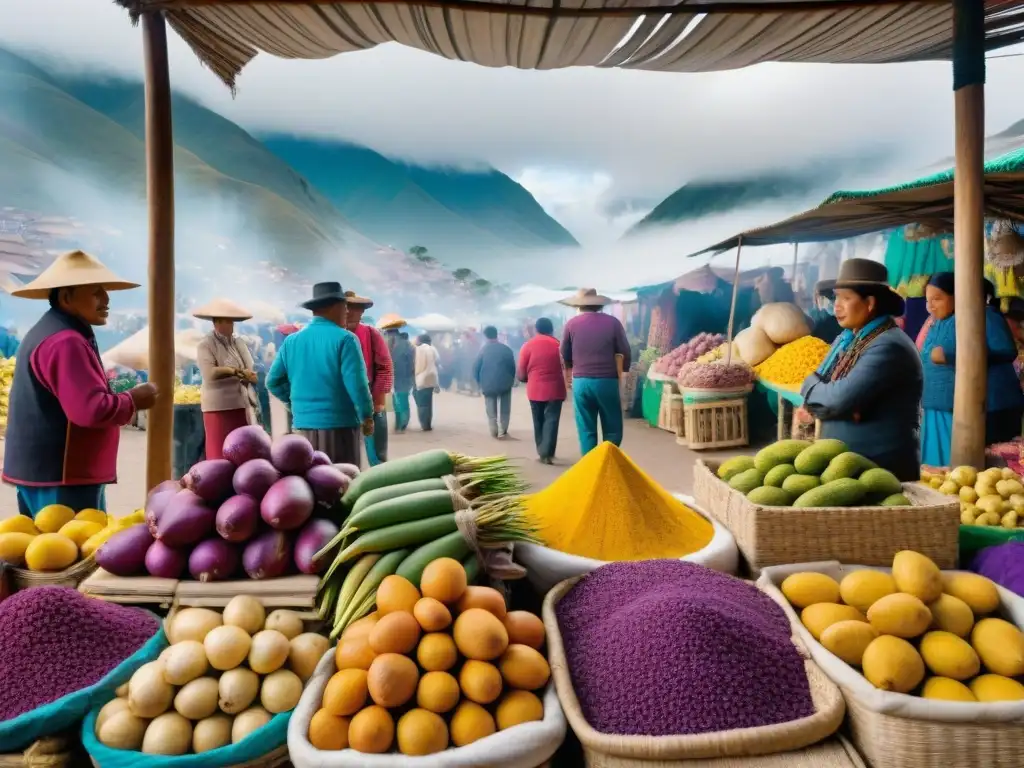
[{"x": 591, "y": 342}]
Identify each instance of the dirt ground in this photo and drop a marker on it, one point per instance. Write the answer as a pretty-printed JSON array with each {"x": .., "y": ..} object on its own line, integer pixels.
[{"x": 459, "y": 425}]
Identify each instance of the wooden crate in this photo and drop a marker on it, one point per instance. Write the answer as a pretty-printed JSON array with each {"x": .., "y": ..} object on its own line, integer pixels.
[
  {"x": 716, "y": 424},
  {"x": 671, "y": 410}
]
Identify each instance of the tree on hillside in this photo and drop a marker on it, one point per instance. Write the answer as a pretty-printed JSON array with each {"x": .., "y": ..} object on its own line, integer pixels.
[
  {"x": 482, "y": 286},
  {"x": 419, "y": 253}
]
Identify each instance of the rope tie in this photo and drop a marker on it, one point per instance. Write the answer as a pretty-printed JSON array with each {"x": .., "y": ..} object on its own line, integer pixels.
[{"x": 496, "y": 561}]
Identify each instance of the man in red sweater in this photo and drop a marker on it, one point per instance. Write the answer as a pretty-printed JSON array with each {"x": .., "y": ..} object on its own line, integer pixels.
[{"x": 379, "y": 370}]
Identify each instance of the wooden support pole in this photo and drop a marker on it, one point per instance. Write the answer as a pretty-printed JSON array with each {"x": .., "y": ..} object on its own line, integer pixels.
[
  {"x": 968, "y": 445},
  {"x": 160, "y": 197},
  {"x": 732, "y": 305}
]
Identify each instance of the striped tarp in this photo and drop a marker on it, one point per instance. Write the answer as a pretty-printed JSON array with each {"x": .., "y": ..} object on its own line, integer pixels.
[{"x": 664, "y": 35}]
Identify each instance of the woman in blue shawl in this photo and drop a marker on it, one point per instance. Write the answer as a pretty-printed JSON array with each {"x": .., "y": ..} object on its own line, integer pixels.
[
  {"x": 1004, "y": 402},
  {"x": 867, "y": 392}
]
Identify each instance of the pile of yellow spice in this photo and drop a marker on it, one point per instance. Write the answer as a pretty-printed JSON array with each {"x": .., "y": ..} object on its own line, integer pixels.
[
  {"x": 606, "y": 508},
  {"x": 790, "y": 364}
]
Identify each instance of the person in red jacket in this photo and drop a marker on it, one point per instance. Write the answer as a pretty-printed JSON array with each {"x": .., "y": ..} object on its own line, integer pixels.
[
  {"x": 540, "y": 367},
  {"x": 379, "y": 370}
]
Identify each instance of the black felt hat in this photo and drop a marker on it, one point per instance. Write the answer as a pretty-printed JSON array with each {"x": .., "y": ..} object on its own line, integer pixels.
[{"x": 325, "y": 294}]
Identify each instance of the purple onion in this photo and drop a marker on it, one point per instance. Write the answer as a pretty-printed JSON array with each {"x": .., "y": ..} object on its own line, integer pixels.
[
  {"x": 267, "y": 556},
  {"x": 245, "y": 444},
  {"x": 157, "y": 501},
  {"x": 164, "y": 562},
  {"x": 238, "y": 518},
  {"x": 288, "y": 504},
  {"x": 319, "y": 457},
  {"x": 210, "y": 479},
  {"x": 185, "y": 521},
  {"x": 292, "y": 454},
  {"x": 328, "y": 483},
  {"x": 255, "y": 477},
  {"x": 124, "y": 553},
  {"x": 213, "y": 560},
  {"x": 314, "y": 536}
]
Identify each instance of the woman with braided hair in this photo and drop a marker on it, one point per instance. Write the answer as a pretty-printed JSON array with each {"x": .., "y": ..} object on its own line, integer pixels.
[{"x": 867, "y": 392}]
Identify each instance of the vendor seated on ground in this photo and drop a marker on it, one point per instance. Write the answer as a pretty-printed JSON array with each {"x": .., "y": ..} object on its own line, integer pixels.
[{"x": 867, "y": 392}]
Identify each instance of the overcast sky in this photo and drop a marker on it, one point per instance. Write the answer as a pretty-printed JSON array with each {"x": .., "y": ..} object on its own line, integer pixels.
[{"x": 579, "y": 139}]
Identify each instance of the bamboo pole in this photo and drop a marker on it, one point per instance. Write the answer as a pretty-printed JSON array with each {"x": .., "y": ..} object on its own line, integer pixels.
[
  {"x": 968, "y": 442},
  {"x": 732, "y": 304},
  {"x": 160, "y": 197}
]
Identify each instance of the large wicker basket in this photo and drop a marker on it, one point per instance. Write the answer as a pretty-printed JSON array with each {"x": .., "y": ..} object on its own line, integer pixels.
[
  {"x": 50, "y": 752},
  {"x": 740, "y": 748},
  {"x": 866, "y": 535},
  {"x": 23, "y": 578},
  {"x": 894, "y": 739},
  {"x": 273, "y": 759}
]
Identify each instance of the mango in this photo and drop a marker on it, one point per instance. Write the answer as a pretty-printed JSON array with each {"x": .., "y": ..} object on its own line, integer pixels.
[
  {"x": 947, "y": 655},
  {"x": 776, "y": 475},
  {"x": 814, "y": 459},
  {"x": 917, "y": 575},
  {"x": 93, "y": 516},
  {"x": 845, "y": 492},
  {"x": 808, "y": 588},
  {"x": 848, "y": 640},
  {"x": 951, "y": 614},
  {"x": 79, "y": 531},
  {"x": 864, "y": 588},
  {"x": 896, "y": 500},
  {"x": 732, "y": 467},
  {"x": 52, "y": 518},
  {"x": 900, "y": 615},
  {"x": 881, "y": 482},
  {"x": 798, "y": 485},
  {"x": 988, "y": 688},
  {"x": 820, "y": 616},
  {"x": 747, "y": 481},
  {"x": 767, "y": 496},
  {"x": 19, "y": 524},
  {"x": 13, "y": 546},
  {"x": 781, "y": 452},
  {"x": 847, "y": 465},
  {"x": 980, "y": 594},
  {"x": 892, "y": 664},
  {"x": 1000, "y": 645},
  {"x": 50, "y": 552},
  {"x": 944, "y": 689},
  {"x": 964, "y": 476}
]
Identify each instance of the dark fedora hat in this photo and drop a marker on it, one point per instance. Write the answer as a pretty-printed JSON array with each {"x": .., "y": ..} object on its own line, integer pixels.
[
  {"x": 325, "y": 294},
  {"x": 864, "y": 275}
]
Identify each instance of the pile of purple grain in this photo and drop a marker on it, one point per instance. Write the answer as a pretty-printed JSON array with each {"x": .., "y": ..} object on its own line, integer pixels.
[
  {"x": 663, "y": 647},
  {"x": 55, "y": 641}
]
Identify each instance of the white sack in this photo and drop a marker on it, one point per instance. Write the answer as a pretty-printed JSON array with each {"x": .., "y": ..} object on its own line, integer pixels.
[
  {"x": 546, "y": 567},
  {"x": 753, "y": 346},
  {"x": 782, "y": 322},
  {"x": 855, "y": 684},
  {"x": 524, "y": 746}
]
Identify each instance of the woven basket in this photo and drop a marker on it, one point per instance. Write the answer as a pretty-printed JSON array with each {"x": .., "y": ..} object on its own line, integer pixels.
[
  {"x": 745, "y": 747},
  {"x": 272, "y": 759},
  {"x": 50, "y": 752},
  {"x": 22, "y": 578},
  {"x": 865, "y": 535},
  {"x": 899, "y": 741}
]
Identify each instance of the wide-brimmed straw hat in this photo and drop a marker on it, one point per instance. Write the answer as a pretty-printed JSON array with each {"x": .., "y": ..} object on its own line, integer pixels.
[
  {"x": 224, "y": 309},
  {"x": 355, "y": 300},
  {"x": 391, "y": 322},
  {"x": 69, "y": 270},
  {"x": 867, "y": 275},
  {"x": 586, "y": 297},
  {"x": 325, "y": 294}
]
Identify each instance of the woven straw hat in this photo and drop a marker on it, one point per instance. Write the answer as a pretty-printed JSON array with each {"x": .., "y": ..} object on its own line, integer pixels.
[
  {"x": 586, "y": 297},
  {"x": 391, "y": 321},
  {"x": 222, "y": 308},
  {"x": 72, "y": 269},
  {"x": 355, "y": 300}
]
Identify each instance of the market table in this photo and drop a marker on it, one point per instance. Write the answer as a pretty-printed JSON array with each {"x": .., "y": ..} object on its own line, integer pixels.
[{"x": 781, "y": 400}]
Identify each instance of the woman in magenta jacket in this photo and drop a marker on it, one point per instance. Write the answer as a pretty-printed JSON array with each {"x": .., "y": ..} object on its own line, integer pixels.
[{"x": 540, "y": 366}]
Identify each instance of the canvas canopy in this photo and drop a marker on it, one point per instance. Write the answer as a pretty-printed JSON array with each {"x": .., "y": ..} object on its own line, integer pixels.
[
  {"x": 433, "y": 322},
  {"x": 133, "y": 352},
  {"x": 926, "y": 200},
  {"x": 659, "y": 35}
]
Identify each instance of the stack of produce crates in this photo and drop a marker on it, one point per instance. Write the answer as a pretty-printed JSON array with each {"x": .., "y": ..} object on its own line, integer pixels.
[{"x": 714, "y": 418}]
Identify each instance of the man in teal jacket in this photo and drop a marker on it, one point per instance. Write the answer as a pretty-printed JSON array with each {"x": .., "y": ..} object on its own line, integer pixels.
[{"x": 320, "y": 376}]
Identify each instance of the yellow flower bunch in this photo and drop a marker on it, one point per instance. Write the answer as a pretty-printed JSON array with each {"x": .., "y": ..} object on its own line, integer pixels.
[
  {"x": 792, "y": 363},
  {"x": 186, "y": 394},
  {"x": 716, "y": 354}
]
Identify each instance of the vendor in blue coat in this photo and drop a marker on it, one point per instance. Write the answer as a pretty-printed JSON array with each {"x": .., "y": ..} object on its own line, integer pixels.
[
  {"x": 1004, "y": 401},
  {"x": 867, "y": 392}
]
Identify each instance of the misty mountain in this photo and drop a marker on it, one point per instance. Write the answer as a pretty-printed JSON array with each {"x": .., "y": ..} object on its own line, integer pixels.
[
  {"x": 73, "y": 146},
  {"x": 460, "y": 216},
  {"x": 708, "y": 197}
]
